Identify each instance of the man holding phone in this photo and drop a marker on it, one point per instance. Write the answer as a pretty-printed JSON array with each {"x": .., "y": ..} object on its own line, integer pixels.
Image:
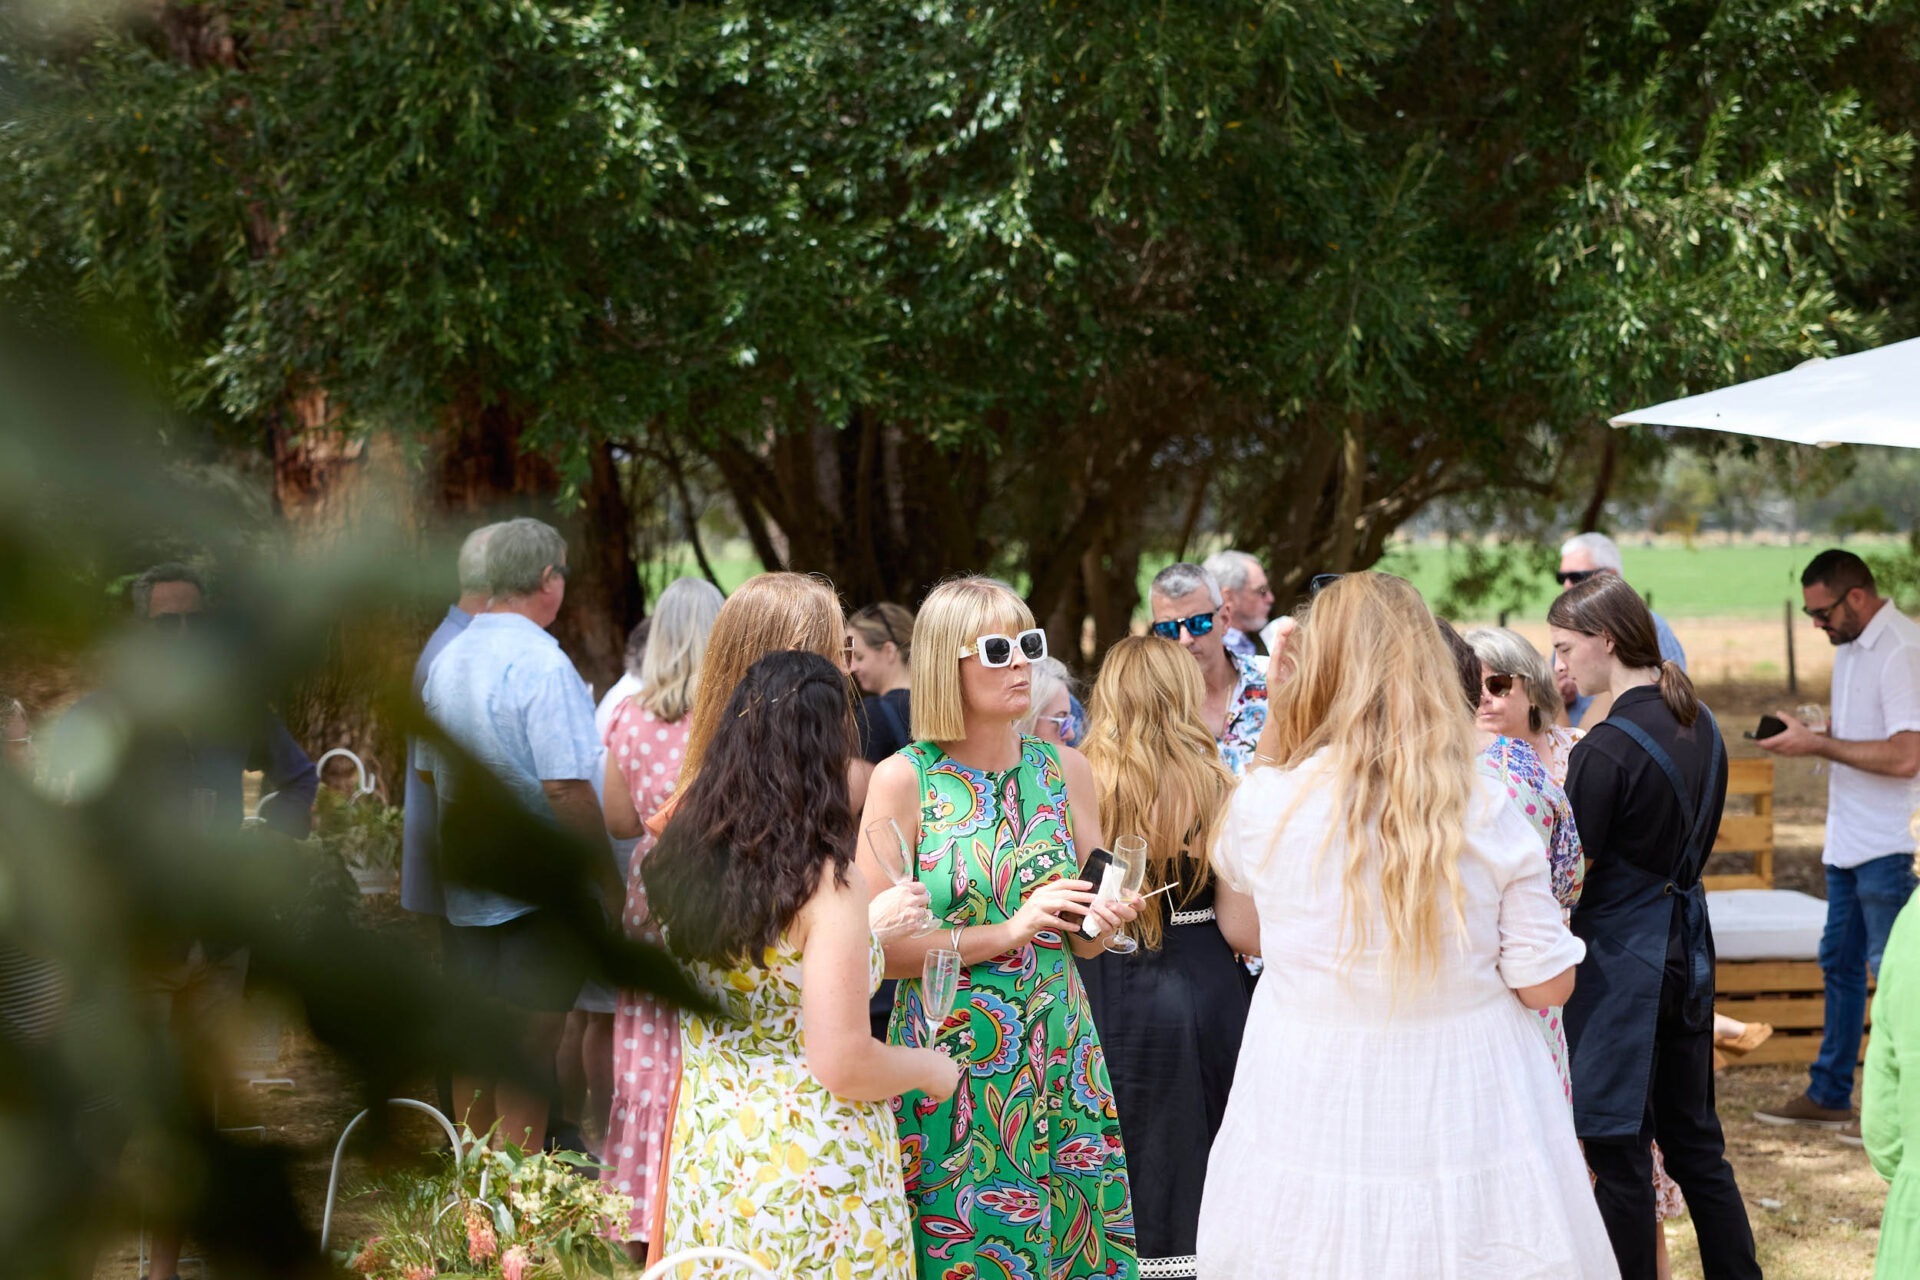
[{"x": 1873, "y": 742}]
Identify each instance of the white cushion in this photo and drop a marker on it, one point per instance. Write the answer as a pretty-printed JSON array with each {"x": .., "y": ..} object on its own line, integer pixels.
[{"x": 1766, "y": 924}]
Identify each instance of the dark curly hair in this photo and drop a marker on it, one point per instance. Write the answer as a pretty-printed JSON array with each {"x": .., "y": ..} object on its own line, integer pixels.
[{"x": 767, "y": 813}]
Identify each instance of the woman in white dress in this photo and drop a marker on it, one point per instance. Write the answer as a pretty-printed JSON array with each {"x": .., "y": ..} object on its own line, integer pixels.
[{"x": 1394, "y": 1112}]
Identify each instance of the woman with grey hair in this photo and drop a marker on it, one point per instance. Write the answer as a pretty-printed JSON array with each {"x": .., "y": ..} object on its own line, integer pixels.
[
  {"x": 1050, "y": 713},
  {"x": 1515, "y": 719},
  {"x": 1519, "y": 697}
]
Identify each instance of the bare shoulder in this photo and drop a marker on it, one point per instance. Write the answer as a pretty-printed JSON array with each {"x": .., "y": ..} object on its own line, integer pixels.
[
  {"x": 834, "y": 903},
  {"x": 895, "y": 782},
  {"x": 1074, "y": 766}
]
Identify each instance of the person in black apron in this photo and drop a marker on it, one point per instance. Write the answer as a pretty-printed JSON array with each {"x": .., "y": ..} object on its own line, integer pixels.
[{"x": 1647, "y": 785}]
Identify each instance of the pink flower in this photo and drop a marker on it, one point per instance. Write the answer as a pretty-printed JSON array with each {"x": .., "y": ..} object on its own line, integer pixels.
[
  {"x": 368, "y": 1260},
  {"x": 514, "y": 1263},
  {"x": 421, "y": 1273},
  {"x": 481, "y": 1242}
]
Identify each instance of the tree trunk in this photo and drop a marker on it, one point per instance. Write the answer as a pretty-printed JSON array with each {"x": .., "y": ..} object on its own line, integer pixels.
[
  {"x": 883, "y": 512},
  {"x": 336, "y": 490},
  {"x": 1602, "y": 483}
]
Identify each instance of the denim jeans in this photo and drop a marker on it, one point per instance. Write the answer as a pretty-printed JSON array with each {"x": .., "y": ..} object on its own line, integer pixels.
[{"x": 1861, "y": 904}]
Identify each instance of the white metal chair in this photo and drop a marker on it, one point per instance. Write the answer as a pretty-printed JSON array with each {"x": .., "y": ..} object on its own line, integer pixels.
[
  {"x": 674, "y": 1261},
  {"x": 340, "y": 1149},
  {"x": 365, "y": 787}
]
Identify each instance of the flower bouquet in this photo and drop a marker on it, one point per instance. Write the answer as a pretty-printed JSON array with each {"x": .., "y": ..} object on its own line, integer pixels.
[{"x": 494, "y": 1211}]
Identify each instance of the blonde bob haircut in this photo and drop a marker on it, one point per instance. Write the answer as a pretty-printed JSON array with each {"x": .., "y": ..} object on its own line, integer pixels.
[
  {"x": 1375, "y": 687},
  {"x": 683, "y": 620},
  {"x": 769, "y": 612},
  {"x": 956, "y": 613},
  {"x": 1157, "y": 768}
]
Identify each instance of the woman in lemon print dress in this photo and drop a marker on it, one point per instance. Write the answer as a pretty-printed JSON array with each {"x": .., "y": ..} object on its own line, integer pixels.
[
  {"x": 783, "y": 1146},
  {"x": 1021, "y": 1176}
]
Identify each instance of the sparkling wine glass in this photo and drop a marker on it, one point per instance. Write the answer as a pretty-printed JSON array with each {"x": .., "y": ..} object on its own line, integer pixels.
[
  {"x": 890, "y": 850},
  {"x": 939, "y": 985},
  {"x": 1123, "y": 878},
  {"x": 1814, "y": 716}
]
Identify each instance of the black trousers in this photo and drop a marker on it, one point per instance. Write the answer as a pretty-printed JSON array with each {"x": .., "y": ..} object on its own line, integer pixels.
[{"x": 1681, "y": 1117}]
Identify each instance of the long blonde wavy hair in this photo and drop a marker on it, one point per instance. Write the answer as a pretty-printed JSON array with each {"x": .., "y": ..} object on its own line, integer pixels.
[
  {"x": 1156, "y": 766},
  {"x": 1374, "y": 686},
  {"x": 767, "y": 613}
]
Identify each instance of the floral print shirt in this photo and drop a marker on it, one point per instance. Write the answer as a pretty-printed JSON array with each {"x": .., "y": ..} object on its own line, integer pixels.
[
  {"x": 1532, "y": 789},
  {"x": 1246, "y": 712}
]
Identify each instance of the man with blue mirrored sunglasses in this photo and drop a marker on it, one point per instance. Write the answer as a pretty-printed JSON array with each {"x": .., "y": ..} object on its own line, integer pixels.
[{"x": 1188, "y": 608}]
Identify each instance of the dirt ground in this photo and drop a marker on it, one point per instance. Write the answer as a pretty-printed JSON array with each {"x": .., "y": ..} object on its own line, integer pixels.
[{"x": 1814, "y": 1202}]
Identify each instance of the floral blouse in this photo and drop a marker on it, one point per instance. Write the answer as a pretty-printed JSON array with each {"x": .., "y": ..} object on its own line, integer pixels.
[
  {"x": 1532, "y": 789},
  {"x": 1246, "y": 712}
]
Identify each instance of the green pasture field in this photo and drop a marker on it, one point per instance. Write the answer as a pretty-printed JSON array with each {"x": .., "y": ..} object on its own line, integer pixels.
[{"x": 1707, "y": 580}]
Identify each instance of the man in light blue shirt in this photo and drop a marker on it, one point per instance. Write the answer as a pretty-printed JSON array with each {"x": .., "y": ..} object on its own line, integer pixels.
[
  {"x": 420, "y": 835},
  {"x": 1586, "y": 555},
  {"x": 506, "y": 693},
  {"x": 1243, "y": 584}
]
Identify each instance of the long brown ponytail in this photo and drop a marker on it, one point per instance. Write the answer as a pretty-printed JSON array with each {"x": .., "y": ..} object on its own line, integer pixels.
[{"x": 1606, "y": 605}]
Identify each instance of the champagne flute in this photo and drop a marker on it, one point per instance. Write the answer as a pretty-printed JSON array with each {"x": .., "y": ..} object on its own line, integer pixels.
[
  {"x": 1814, "y": 716},
  {"x": 890, "y": 850},
  {"x": 1123, "y": 878},
  {"x": 939, "y": 985}
]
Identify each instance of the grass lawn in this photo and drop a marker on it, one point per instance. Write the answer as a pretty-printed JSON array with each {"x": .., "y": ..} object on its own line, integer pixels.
[{"x": 1708, "y": 580}]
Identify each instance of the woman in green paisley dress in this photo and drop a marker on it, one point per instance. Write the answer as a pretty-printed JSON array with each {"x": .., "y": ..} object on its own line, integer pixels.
[{"x": 1021, "y": 1174}]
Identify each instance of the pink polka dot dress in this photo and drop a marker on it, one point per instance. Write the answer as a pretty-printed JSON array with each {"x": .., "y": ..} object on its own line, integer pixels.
[{"x": 646, "y": 1035}]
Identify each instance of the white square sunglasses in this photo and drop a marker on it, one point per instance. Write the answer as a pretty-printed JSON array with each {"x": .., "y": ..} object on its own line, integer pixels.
[{"x": 998, "y": 650}]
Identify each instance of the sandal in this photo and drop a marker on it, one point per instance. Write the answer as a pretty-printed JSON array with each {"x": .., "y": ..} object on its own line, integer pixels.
[{"x": 1750, "y": 1038}]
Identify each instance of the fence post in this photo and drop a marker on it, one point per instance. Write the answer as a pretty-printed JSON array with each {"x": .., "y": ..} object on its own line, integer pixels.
[{"x": 1793, "y": 676}]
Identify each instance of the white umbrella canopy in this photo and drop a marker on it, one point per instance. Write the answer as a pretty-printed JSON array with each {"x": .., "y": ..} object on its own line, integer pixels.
[{"x": 1872, "y": 397}]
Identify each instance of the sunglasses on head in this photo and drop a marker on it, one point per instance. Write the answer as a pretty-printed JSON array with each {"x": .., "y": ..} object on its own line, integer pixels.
[
  {"x": 998, "y": 650},
  {"x": 1499, "y": 684},
  {"x": 1567, "y": 577},
  {"x": 1321, "y": 581},
  {"x": 1198, "y": 625}
]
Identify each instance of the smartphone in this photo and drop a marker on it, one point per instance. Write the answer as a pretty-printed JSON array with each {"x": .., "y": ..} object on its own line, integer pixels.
[
  {"x": 1094, "y": 872},
  {"x": 1768, "y": 727}
]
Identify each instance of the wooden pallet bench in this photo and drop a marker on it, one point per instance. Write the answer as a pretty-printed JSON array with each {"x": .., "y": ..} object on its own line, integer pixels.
[{"x": 1788, "y": 993}]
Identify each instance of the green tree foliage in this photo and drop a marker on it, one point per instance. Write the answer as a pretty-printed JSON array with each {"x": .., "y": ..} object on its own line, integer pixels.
[{"x": 1028, "y": 287}]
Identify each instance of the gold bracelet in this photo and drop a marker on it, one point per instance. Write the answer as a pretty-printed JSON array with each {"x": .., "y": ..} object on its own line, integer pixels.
[{"x": 954, "y": 941}]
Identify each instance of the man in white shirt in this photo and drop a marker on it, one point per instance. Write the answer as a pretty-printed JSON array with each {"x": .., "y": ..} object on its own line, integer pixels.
[{"x": 1873, "y": 740}]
